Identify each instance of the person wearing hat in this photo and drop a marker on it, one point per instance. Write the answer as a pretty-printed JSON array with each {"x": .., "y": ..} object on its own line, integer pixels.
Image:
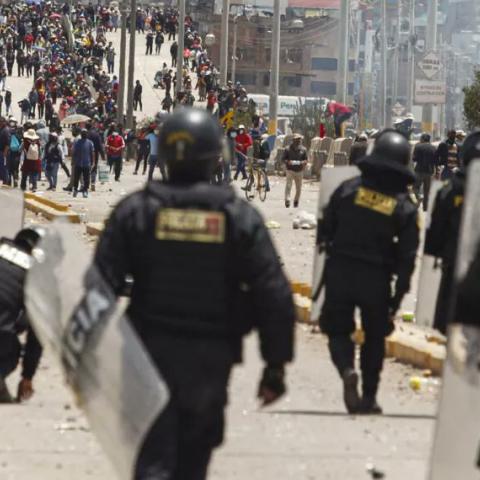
[
  {"x": 359, "y": 149},
  {"x": 243, "y": 142},
  {"x": 30, "y": 159},
  {"x": 295, "y": 158},
  {"x": 370, "y": 235},
  {"x": 441, "y": 240}
]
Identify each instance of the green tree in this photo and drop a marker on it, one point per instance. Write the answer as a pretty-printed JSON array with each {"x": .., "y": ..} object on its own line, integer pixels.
[
  {"x": 471, "y": 104},
  {"x": 307, "y": 118}
]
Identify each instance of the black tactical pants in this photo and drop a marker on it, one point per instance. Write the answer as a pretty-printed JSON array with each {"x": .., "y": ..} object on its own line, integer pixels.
[
  {"x": 351, "y": 284},
  {"x": 10, "y": 353},
  {"x": 442, "y": 308},
  {"x": 180, "y": 443}
]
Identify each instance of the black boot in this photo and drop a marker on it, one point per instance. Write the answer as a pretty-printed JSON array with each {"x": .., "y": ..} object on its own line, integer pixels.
[
  {"x": 369, "y": 406},
  {"x": 350, "y": 390}
]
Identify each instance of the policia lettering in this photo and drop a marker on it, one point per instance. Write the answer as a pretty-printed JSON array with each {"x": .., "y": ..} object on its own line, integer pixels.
[
  {"x": 375, "y": 201},
  {"x": 190, "y": 226},
  {"x": 190, "y": 247},
  {"x": 370, "y": 234}
]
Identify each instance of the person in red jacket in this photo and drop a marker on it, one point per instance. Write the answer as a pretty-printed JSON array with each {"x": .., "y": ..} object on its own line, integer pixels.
[
  {"x": 115, "y": 146},
  {"x": 243, "y": 143},
  {"x": 341, "y": 113}
]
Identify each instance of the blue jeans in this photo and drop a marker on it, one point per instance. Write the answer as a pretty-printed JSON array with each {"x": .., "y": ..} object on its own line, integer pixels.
[
  {"x": 51, "y": 172},
  {"x": 241, "y": 162}
]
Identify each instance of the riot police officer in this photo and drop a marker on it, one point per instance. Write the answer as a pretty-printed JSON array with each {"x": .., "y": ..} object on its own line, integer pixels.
[
  {"x": 15, "y": 261},
  {"x": 442, "y": 236},
  {"x": 370, "y": 233},
  {"x": 204, "y": 272}
]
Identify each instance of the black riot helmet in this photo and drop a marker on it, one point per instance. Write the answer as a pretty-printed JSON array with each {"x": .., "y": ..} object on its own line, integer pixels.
[
  {"x": 191, "y": 142},
  {"x": 391, "y": 153},
  {"x": 471, "y": 148},
  {"x": 28, "y": 238},
  {"x": 394, "y": 146}
]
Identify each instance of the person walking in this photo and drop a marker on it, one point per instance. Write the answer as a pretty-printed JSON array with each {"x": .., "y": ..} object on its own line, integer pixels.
[
  {"x": 143, "y": 149},
  {"x": 83, "y": 156},
  {"x": 424, "y": 166},
  {"x": 137, "y": 96},
  {"x": 370, "y": 234},
  {"x": 159, "y": 41},
  {"x": 30, "y": 160},
  {"x": 53, "y": 158},
  {"x": 174, "y": 53},
  {"x": 243, "y": 142},
  {"x": 295, "y": 158},
  {"x": 154, "y": 159},
  {"x": 149, "y": 43},
  {"x": 185, "y": 238},
  {"x": 5, "y": 139},
  {"x": 115, "y": 146},
  {"x": 110, "y": 57},
  {"x": 447, "y": 155}
]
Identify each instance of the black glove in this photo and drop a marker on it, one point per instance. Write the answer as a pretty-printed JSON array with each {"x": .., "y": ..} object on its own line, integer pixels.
[{"x": 272, "y": 385}]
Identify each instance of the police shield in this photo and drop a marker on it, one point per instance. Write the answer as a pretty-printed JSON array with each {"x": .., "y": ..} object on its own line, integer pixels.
[
  {"x": 332, "y": 178},
  {"x": 11, "y": 206},
  {"x": 77, "y": 317},
  {"x": 456, "y": 448},
  {"x": 430, "y": 274}
]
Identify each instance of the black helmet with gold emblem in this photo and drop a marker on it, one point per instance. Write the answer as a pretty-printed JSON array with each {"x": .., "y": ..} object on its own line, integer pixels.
[{"x": 191, "y": 142}]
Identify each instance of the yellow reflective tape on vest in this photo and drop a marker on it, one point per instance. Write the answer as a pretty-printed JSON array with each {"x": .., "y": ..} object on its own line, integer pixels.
[{"x": 378, "y": 202}]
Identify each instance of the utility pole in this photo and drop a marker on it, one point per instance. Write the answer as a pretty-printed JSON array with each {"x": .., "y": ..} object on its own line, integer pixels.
[
  {"x": 383, "y": 76},
  {"x": 275, "y": 67},
  {"x": 396, "y": 58},
  {"x": 234, "y": 55},
  {"x": 123, "y": 48},
  {"x": 411, "y": 59},
  {"x": 131, "y": 62},
  {"x": 430, "y": 45},
  {"x": 224, "y": 42},
  {"x": 181, "y": 44},
  {"x": 343, "y": 51}
]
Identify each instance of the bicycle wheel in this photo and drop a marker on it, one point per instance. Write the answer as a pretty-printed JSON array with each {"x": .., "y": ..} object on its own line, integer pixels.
[
  {"x": 250, "y": 187},
  {"x": 262, "y": 185}
]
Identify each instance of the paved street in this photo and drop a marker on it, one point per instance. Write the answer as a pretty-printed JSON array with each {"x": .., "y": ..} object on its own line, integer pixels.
[{"x": 306, "y": 436}]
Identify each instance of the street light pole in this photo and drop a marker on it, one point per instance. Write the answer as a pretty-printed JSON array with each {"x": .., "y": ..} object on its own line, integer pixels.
[
  {"x": 224, "y": 43},
  {"x": 275, "y": 67},
  {"x": 430, "y": 45},
  {"x": 181, "y": 44},
  {"x": 344, "y": 44},
  {"x": 121, "y": 76},
  {"x": 131, "y": 62}
]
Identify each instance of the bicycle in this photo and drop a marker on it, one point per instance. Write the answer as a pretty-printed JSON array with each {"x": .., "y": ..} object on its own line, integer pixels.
[{"x": 257, "y": 181}]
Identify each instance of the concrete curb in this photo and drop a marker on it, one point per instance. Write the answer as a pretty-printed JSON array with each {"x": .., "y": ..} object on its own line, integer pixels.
[
  {"x": 95, "y": 229},
  {"x": 61, "y": 207},
  {"x": 50, "y": 213},
  {"x": 409, "y": 344}
]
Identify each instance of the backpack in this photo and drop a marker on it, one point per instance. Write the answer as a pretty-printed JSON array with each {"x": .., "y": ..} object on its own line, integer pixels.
[
  {"x": 33, "y": 152},
  {"x": 14, "y": 144}
]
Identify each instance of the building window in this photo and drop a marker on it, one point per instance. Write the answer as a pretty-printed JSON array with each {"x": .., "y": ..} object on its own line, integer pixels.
[
  {"x": 328, "y": 64},
  {"x": 323, "y": 88},
  {"x": 291, "y": 55},
  {"x": 246, "y": 78},
  {"x": 293, "y": 81}
]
